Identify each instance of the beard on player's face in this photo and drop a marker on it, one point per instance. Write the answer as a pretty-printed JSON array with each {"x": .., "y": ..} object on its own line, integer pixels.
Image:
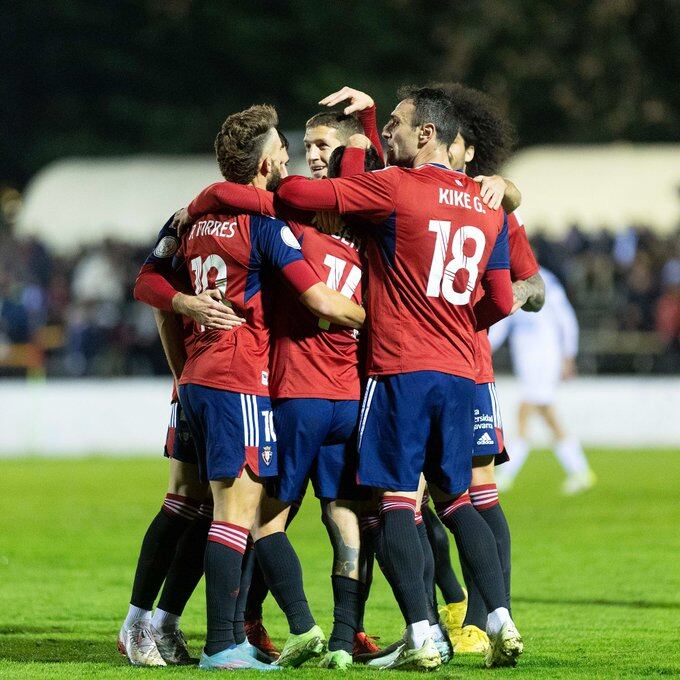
[
  {"x": 401, "y": 150},
  {"x": 274, "y": 178}
]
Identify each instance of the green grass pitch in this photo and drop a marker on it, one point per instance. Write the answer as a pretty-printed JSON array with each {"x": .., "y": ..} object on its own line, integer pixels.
[{"x": 596, "y": 579}]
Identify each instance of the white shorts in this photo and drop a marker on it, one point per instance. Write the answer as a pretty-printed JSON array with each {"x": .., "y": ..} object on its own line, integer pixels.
[{"x": 539, "y": 378}]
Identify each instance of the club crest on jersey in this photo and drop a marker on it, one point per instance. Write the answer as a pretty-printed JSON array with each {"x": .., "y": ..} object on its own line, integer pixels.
[
  {"x": 265, "y": 378},
  {"x": 267, "y": 454},
  {"x": 166, "y": 247},
  {"x": 288, "y": 238}
]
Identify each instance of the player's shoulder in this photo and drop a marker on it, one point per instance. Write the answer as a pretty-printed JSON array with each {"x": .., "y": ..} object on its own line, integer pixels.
[{"x": 265, "y": 227}]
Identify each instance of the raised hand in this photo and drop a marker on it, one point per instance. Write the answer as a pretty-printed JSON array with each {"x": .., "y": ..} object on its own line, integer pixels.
[
  {"x": 358, "y": 101},
  {"x": 181, "y": 221}
]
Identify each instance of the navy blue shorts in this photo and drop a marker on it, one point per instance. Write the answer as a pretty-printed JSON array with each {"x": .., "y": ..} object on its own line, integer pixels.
[
  {"x": 231, "y": 430},
  {"x": 317, "y": 440},
  {"x": 488, "y": 429},
  {"x": 179, "y": 444},
  {"x": 417, "y": 422}
]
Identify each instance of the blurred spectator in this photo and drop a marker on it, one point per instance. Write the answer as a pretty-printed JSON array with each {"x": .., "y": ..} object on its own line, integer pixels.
[{"x": 80, "y": 308}]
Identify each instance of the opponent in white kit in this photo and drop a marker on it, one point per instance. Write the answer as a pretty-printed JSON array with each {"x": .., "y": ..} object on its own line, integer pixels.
[{"x": 543, "y": 347}]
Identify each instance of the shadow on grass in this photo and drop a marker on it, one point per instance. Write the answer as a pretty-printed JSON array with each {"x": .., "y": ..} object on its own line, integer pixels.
[{"x": 633, "y": 604}]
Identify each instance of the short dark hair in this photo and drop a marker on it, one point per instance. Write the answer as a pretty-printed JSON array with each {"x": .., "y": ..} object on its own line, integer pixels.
[
  {"x": 483, "y": 126},
  {"x": 346, "y": 125},
  {"x": 240, "y": 142},
  {"x": 432, "y": 105},
  {"x": 372, "y": 161},
  {"x": 284, "y": 140}
]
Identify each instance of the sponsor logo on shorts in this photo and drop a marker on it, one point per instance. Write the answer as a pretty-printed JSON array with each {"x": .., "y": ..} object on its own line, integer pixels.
[
  {"x": 166, "y": 247},
  {"x": 484, "y": 439},
  {"x": 267, "y": 454}
]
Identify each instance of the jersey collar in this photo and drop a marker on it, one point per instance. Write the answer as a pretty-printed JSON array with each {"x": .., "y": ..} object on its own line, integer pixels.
[{"x": 442, "y": 167}]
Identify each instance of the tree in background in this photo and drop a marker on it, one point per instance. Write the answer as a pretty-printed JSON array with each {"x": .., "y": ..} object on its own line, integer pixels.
[{"x": 85, "y": 77}]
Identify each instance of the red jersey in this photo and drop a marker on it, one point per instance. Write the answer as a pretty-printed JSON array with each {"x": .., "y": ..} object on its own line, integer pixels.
[
  {"x": 523, "y": 264},
  {"x": 431, "y": 240},
  {"x": 310, "y": 358},
  {"x": 238, "y": 254}
]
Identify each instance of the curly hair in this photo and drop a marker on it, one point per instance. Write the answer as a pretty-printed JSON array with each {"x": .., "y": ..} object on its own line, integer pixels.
[
  {"x": 346, "y": 125},
  {"x": 481, "y": 126},
  {"x": 240, "y": 142}
]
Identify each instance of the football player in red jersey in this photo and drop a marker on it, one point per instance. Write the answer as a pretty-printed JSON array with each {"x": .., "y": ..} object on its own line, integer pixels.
[
  {"x": 315, "y": 384},
  {"x": 421, "y": 350},
  {"x": 479, "y": 149},
  {"x": 223, "y": 387}
]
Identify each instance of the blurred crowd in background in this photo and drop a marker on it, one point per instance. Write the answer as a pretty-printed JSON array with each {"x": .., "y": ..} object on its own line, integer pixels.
[{"x": 75, "y": 316}]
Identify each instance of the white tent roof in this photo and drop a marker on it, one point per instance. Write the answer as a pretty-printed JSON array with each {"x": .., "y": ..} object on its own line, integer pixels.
[
  {"x": 77, "y": 201},
  {"x": 599, "y": 186}
]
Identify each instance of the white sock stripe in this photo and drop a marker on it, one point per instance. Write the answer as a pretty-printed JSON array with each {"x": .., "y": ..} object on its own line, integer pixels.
[
  {"x": 483, "y": 497},
  {"x": 180, "y": 507},
  {"x": 484, "y": 491},
  {"x": 228, "y": 534},
  {"x": 180, "y": 511},
  {"x": 368, "y": 398},
  {"x": 178, "y": 503},
  {"x": 396, "y": 505},
  {"x": 206, "y": 511},
  {"x": 236, "y": 531},
  {"x": 256, "y": 418}
]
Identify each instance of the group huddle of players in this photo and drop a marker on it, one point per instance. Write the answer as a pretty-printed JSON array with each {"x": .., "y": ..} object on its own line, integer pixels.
[{"x": 332, "y": 329}]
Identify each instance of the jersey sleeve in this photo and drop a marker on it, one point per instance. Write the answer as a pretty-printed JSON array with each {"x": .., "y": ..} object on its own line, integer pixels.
[
  {"x": 523, "y": 264},
  {"x": 229, "y": 196},
  {"x": 167, "y": 244},
  {"x": 156, "y": 281},
  {"x": 500, "y": 255},
  {"x": 273, "y": 242},
  {"x": 369, "y": 121},
  {"x": 353, "y": 161},
  {"x": 371, "y": 195}
]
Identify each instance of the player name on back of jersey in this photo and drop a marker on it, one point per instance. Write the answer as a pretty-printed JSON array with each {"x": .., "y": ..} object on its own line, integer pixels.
[
  {"x": 348, "y": 238},
  {"x": 461, "y": 199},
  {"x": 219, "y": 228}
]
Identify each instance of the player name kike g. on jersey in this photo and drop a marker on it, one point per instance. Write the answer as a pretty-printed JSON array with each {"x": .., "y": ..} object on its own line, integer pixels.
[
  {"x": 523, "y": 265},
  {"x": 311, "y": 358},
  {"x": 237, "y": 254},
  {"x": 430, "y": 241}
]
